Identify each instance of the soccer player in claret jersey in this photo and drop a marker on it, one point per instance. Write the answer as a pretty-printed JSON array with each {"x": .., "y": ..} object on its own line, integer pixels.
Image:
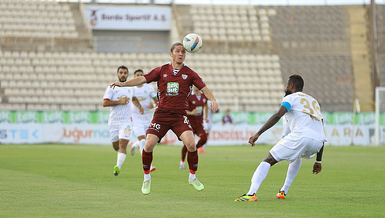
[
  {"x": 306, "y": 138},
  {"x": 144, "y": 93},
  {"x": 197, "y": 105},
  {"x": 174, "y": 80},
  {"x": 120, "y": 116}
]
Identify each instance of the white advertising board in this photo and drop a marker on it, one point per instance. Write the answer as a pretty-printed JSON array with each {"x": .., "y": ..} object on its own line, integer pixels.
[
  {"x": 129, "y": 17},
  {"x": 82, "y": 133}
]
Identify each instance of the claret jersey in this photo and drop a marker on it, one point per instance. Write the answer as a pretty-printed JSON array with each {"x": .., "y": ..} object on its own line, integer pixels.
[{"x": 174, "y": 87}]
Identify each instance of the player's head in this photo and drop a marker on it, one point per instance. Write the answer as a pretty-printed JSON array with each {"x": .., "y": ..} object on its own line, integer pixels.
[
  {"x": 122, "y": 73},
  {"x": 138, "y": 73},
  {"x": 177, "y": 53},
  {"x": 294, "y": 84}
]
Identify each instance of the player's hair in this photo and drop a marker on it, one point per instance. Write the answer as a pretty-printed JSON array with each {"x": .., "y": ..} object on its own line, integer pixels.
[
  {"x": 297, "y": 81},
  {"x": 122, "y": 67},
  {"x": 174, "y": 45},
  {"x": 138, "y": 70}
]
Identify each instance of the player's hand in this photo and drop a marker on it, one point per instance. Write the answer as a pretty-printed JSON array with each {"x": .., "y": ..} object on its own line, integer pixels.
[
  {"x": 317, "y": 167},
  {"x": 214, "y": 105},
  {"x": 141, "y": 110},
  {"x": 116, "y": 83},
  {"x": 194, "y": 111},
  {"x": 123, "y": 100},
  {"x": 253, "y": 139},
  {"x": 206, "y": 120},
  {"x": 151, "y": 106}
]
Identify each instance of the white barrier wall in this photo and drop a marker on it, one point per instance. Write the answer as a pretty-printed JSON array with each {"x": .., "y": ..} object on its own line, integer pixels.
[{"x": 239, "y": 134}]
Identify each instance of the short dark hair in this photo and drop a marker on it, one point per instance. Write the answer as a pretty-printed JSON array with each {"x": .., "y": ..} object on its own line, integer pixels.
[
  {"x": 122, "y": 67},
  {"x": 175, "y": 44},
  {"x": 138, "y": 70},
  {"x": 297, "y": 81}
]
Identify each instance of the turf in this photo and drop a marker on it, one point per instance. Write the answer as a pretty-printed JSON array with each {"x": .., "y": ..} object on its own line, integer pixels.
[{"x": 78, "y": 181}]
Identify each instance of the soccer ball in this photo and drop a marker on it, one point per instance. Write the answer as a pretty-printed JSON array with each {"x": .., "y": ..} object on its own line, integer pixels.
[{"x": 192, "y": 42}]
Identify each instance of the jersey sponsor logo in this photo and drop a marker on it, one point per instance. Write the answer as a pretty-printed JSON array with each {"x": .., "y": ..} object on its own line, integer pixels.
[
  {"x": 172, "y": 88},
  {"x": 184, "y": 76},
  {"x": 123, "y": 96},
  {"x": 141, "y": 98}
]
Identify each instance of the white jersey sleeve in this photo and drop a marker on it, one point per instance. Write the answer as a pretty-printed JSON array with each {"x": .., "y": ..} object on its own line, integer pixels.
[{"x": 108, "y": 94}]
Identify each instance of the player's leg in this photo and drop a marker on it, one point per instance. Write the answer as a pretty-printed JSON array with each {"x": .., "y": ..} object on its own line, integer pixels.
[
  {"x": 182, "y": 164},
  {"x": 202, "y": 138},
  {"x": 291, "y": 174},
  {"x": 114, "y": 134},
  {"x": 147, "y": 160},
  {"x": 142, "y": 142},
  {"x": 121, "y": 156},
  {"x": 192, "y": 157},
  {"x": 261, "y": 173},
  {"x": 124, "y": 138},
  {"x": 258, "y": 177},
  {"x": 115, "y": 145}
]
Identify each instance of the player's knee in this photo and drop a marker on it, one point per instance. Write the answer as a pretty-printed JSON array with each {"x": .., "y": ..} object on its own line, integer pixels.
[
  {"x": 270, "y": 159},
  {"x": 191, "y": 146}
]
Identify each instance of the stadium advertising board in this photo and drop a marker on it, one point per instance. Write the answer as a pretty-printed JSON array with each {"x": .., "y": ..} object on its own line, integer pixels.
[
  {"x": 82, "y": 127},
  {"x": 129, "y": 18}
]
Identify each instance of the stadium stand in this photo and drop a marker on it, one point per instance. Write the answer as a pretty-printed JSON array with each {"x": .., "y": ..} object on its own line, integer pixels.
[{"x": 259, "y": 48}]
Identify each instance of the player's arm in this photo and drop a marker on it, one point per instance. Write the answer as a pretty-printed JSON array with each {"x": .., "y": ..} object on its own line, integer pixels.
[
  {"x": 137, "y": 104},
  {"x": 206, "y": 108},
  {"x": 213, "y": 102},
  {"x": 270, "y": 123},
  {"x": 109, "y": 103},
  {"x": 317, "y": 167},
  {"x": 191, "y": 113},
  {"x": 151, "y": 106},
  {"x": 133, "y": 82}
]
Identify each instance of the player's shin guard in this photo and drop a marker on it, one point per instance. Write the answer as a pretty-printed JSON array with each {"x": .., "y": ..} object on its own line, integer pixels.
[
  {"x": 192, "y": 158},
  {"x": 184, "y": 152},
  {"x": 146, "y": 160}
]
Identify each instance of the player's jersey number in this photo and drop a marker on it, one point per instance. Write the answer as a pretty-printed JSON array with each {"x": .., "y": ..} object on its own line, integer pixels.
[{"x": 311, "y": 108}]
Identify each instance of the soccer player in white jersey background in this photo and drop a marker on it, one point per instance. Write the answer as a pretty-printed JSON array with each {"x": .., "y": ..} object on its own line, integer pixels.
[
  {"x": 306, "y": 137},
  {"x": 144, "y": 93},
  {"x": 207, "y": 125},
  {"x": 120, "y": 121}
]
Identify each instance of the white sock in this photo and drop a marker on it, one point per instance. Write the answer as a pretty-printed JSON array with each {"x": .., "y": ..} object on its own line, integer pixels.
[
  {"x": 182, "y": 162},
  {"x": 147, "y": 177},
  {"x": 292, "y": 171},
  {"x": 135, "y": 145},
  {"x": 141, "y": 144},
  {"x": 192, "y": 177},
  {"x": 121, "y": 159},
  {"x": 258, "y": 177}
]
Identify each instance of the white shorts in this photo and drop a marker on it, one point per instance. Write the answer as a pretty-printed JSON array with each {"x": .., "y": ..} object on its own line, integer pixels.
[
  {"x": 291, "y": 150},
  {"x": 120, "y": 131},
  {"x": 141, "y": 124}
]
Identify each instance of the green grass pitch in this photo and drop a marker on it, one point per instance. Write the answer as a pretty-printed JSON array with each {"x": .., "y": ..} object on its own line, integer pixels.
[{"x": 78, "y": 181}]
